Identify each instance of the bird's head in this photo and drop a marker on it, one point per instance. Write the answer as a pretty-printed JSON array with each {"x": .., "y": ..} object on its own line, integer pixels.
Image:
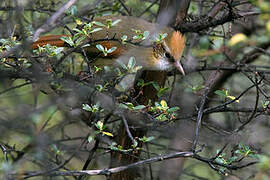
[{"x": 168, "y": 53}]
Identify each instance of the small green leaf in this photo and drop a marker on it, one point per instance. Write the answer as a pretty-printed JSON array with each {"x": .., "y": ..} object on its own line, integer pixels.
[
  {"x": 111, "y": 49},
  {"x": 150, "y": 138},
  {"x": 131, "y": 63},
  {"x": 146, "y": 139},
  {"x": 86, "y": 107},
  {"x": 116, "y": 22},
  {"x": 107, "y": 133},
  {"x": 233, "y": 159},
  {"x": 78, "y": 21},
  {"x": 164, "y": 35},
  {"x": 91, "y": 138},
  {"x": 124, "y": 39},
  {"x": 99, "y": 23},
  {"x": 100, "y": 47},
  {"x": 78, "y": 30},
  {"x": 220, "y": 160},
  {"x": 68, "y": 40},
  {"x": 95, "y": 30},
  {"x": 123, "y": 65},
  {"x": 265, "y": 104},
  {"x": 173, "y": 109},
  {"x": 86, "y": 45},
  {"x": 162, "y": 117},
  {"x": 156, "y": 86},
  {"x": 163, "y": 103},
  {"x": 130, "y": 105},
  {"x": 109, "y": 23},
  {"x": 100, "y": 125},
  {"x": 220, "y": 93},
  {"x": 139, "y": 107},
  {"x": 73, "y": 10},
  {"x": 161, "y": 91},
  {"x": 58, "y": 50},
  {"x": 146, "y": 34},
  {"x": 233, "y": 98},
  {"x": 121, "y": 105},
  {"x": 107, "y": 68},
  {"x": 135, "y": 144}
]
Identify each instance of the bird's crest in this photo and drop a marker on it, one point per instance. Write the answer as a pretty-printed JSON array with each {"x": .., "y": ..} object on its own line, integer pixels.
[{"x": 177, "y": 45}]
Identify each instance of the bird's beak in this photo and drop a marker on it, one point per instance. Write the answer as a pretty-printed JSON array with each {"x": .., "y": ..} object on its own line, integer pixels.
[{"x": 178, "y": 66}]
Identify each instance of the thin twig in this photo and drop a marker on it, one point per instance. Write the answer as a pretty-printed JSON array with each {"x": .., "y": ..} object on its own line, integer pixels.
[
  {"x": 199, "y": 119},
  {"x": 128, "y": 131},
  {"x": 50, "y": 23},
  {"x": 125, "y": 7},
  {"x": 151, "y": 5},
  {"x": 107, "y": 171}
]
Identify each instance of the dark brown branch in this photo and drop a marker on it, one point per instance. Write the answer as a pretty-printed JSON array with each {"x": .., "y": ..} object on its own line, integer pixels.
[{"x": 207, "y": 22}]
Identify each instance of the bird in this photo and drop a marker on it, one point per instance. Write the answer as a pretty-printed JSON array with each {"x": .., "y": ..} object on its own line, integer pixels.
[{"x": 154, "y": 47}]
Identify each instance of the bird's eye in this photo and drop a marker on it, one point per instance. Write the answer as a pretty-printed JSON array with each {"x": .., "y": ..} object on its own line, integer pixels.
[{"x": 167, "y": 55}]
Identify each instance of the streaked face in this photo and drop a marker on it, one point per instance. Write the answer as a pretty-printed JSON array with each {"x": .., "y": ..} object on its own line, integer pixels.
[{"x": 164, "y": 60}]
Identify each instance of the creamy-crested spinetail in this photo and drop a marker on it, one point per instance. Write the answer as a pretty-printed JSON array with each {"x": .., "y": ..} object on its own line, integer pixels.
[{"x": 149, "y": 52}]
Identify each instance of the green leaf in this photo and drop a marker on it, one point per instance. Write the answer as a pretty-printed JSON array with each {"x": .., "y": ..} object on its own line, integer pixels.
[
  {"x": 135, "y": 144},
  {"x": 86, "y": 107},
  {"x": 109, "y": 23},
  {"x": 124, "y": 39},
  {"x": 146, "y": 34},
  {"x": 91, "y": 138},
  {"x": 116, "y": 22},
  {"x": 100, "y": 47},
  {"x": 139, "y": 107},
  {"x": 111, "y": 49},
  {"x": 73, "y": 10},
  {"x": 265, "y": 104},
  {"x": 121, "y": 105},
  {"x": 78, "y": 30},
  {"x": 99, "y": 87},
  {"x": 130, "y": 105},
  {"x": 99, "y": 24},
  {"x": 107, "y": 68},
  {"x": 95, "y": 30},
  {"x": 86, "y": 45},
  {"x": 162, "y": 91},
  {"x": 146, "y": 139},
  {"x": 164, "y": 35},
  {"x": 220, "y": 160},
  {"x": 123, "y": 65},
  {"x": 233, "y": 98},
  {"x": 161, "y": 37},
  {"x": 173, "y": 109},
  {"x": 100, "y": 125},
  {"x": 78, "y": 21},
  {"x": 162, "y": 117},
  {"x": 131, "y": 63},
  {"x": 58, "y": 50},
  {"x": 136, "y": 37},
  {"x": 220, "y": 93},
  {"x": 163, "y": 103},
  {"x": 150, "y": 138},
  {"x": 107, "y": 133},
  {"x": 232, "y": 159},
  {"x": 156, "y": 86},
  {"x": 68, "y": 40},
  {"x": 137, "y": 31}
]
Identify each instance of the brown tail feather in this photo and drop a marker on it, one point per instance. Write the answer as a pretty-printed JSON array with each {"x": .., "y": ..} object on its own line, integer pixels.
[{"x": 54, "y": 40}]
